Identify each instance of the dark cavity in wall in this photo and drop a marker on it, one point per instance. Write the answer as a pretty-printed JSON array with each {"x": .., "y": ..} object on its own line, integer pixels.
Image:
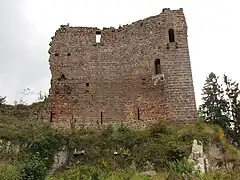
[
  {"x": 62, "y": 78},
  {"x": 101, "y": 118},
  {"x": 158, "y": 66},
  {"x": 138, "y": 111},
  {"x": 171, "y": 35},
  {"x": 51, "y": 116}
]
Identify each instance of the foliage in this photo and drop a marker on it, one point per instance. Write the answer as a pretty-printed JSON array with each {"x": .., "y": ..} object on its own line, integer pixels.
[
  {"x": 2, "y": 100},
  {"x": 34, "y": 167},
  {"x": 9, "y": 172},
  {"x": 179, "y": 171},
  {"x": 221, "y": 175},
  {"x": 232, "y": 97},
  {"x": 147, "y": 149},
  {"x": 119, "y": 153},
  {"x": 38, "y": 143},
  {"x": 47, "y": 145},
  {"x": 221, "y": 105},
  {"x": 82, "y": 172},
  {"x": 96, "y": 173},
  {"x": 122, "y": 153},
  {"x": 183, "y": 168},
  {"x": 214, "y": 105}
]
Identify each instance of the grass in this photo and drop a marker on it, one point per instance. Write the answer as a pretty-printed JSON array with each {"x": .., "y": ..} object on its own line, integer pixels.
[{"x": 164, "y": 146}]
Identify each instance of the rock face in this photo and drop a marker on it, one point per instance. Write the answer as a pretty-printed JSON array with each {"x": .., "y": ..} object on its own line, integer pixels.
[
  {"x": 60, "y": 159},
  {"x": 214, "y": 157},
  {"x": 137, "y": 75},
  {"x": 8, "y": 148}
]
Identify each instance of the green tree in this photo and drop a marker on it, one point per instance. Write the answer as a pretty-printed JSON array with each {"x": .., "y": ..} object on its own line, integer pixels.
[
  {"x": 215, "y": 108},
  {"x": 232, "y": 96},
  {"x": 221, "y": 105}
]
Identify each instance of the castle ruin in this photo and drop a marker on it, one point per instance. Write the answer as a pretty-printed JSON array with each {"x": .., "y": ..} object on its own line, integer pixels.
[{"x": 136, "y": 75}]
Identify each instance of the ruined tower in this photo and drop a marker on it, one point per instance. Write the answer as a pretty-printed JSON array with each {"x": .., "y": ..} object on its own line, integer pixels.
[{"x": 138, "y": 74}]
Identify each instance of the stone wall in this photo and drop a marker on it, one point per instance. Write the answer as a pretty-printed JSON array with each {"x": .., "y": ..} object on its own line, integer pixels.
[{"x": 138, "y": 74}]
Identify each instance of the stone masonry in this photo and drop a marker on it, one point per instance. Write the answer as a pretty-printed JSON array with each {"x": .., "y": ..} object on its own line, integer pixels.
[{"x": 138, "y": 74}]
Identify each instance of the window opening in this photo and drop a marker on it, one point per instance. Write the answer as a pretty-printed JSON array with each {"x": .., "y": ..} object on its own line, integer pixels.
[
  {"x": 87, "y": 84},
  {"x": 51, "y": 116},
  {"x": 171, "y": 35},
  {"x": 158, "y": 66},
  {"x": 101, "y": 118},
  {"x": 138, "y": 114},
  {"x": 69, "y": 54},
  {"x": 98, "y": 36}
]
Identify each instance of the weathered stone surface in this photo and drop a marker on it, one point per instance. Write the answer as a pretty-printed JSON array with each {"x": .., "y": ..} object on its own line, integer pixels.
[
  {"x": 60, "y": 159},
  {"x": 119, "y": 80},
  {"x": 214, "y": 157}
]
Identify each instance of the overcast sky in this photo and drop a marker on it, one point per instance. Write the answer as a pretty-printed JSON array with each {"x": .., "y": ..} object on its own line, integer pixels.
[{"x": 26, "y": 27}]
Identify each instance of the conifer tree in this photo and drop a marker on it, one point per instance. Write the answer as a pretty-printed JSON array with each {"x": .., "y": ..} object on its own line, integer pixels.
[
  {"x": 221, "y": 105},
  {"x": 232, "y": 96},
  {"x": 215, "y": 107}
]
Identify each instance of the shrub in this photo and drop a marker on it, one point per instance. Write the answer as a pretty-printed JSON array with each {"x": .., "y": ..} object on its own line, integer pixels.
[
  {"x": 221, "y": 175},
  {"x": 34, "y": 168},
  {"x": 47, "y": 145},
  {"x": 82, "y": 172},
  {"x": 9, "y": 172},
  {"x": 183, "y": 168},
  {"x": 161, "y": 148}
]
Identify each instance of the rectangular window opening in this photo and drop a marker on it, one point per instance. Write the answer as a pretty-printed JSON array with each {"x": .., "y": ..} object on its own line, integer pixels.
[
  {"x": 138, "y": 114},
  {"x": 171, "y": 35},
  {"x": 98, "y": 36},
  {"x": 51, "y": 116},
  {"x": 158, "y": 69},
  {"x": 101, "y": 117}
]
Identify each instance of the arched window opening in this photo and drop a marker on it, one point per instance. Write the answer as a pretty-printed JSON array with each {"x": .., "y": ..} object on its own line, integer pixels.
[
  {"x": 158, "y": 66},
  {"x": 171, "y": 35}
]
